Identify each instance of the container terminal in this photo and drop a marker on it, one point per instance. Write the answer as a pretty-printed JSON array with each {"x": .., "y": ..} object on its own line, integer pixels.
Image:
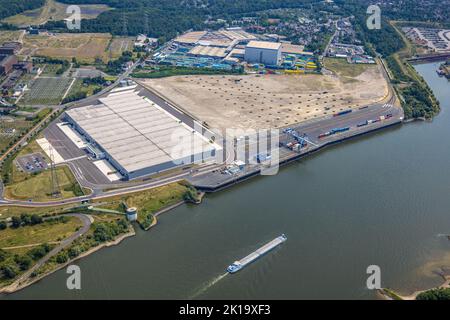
[{"x": 238, "y": 265}]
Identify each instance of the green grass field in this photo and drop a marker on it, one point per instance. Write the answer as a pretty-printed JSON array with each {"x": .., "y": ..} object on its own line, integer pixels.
[
  {"x": 45, "y": 232},
  {"x": 345, "y": 69},
  {"x": 49, "y": 70},
  {"x": 78, "y": 87},
  {"x": 150, "y": 201},
  {"x": 39, "y": 187}
]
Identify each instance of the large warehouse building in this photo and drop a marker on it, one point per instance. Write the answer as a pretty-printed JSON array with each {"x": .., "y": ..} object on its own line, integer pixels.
[
  {"x": 137, "y": 136},
  {"x": 268, "y": 53}
]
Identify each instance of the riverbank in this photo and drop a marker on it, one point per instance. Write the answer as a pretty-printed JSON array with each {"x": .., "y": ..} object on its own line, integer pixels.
[
  {"x": 169, "y": 208},
  {"x": 388, "y": 190},
  {"x": 20, "y": 284},
  {"x": 389, "y": 294},
  {"x": 241, "y": 177}
]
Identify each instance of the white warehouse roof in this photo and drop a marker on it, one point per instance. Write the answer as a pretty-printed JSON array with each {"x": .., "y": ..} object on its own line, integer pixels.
[
  {"x": 134, "y": 131},
  {"x": 264, "y": 45}
]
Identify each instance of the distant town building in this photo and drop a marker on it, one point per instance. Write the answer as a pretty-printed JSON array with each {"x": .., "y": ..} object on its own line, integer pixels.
[
  {"x": 19, "y": 90},
  {"x": 6, "y": 63},
  {"x": 36, "y": 70},
  {"x": 268, "y": 53},
  {"x": 127, "y": 65},
  {"x": 33, "y": 31},
  {"x": 26, "y": 66},
  {"x": 10, "y": 48}
]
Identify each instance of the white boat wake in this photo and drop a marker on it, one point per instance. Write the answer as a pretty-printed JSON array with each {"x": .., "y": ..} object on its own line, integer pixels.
[{"x": 208, "y": 285}]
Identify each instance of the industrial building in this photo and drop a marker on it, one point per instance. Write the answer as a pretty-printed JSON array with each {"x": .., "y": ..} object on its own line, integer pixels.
[
  {"x": 268, "y": 53},
  {"x": 6, "y": 63},
  {"x": 137, "y": 136},
  {"x": 208, "y": 51},
  {"x": 10, "y": 48},
  {"x": 228, "y": 48}
]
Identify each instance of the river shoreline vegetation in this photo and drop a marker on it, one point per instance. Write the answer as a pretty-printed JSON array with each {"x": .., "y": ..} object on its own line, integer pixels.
[
  {"x": 416, "y": 97},
  {"x": 435, "y": 294},
  {"x": 27, "y": 240},
  {"x": 31, "y": 233},
  {"x": 169, "y": 71},
  {"x": 131, "y": 17},
  {"x": 27, "y": 237}
]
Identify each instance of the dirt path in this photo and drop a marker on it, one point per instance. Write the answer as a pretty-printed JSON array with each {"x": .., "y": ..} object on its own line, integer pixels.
[
  {"x": 28, "y": 245},
  {"x": 85, "y": 219}
]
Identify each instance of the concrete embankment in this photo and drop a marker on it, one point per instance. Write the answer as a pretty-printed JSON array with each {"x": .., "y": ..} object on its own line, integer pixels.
[
  {"x": 341, "y": 138},
  {"x": 429, "y": 58},
  {"x": 169, "y": 208}
]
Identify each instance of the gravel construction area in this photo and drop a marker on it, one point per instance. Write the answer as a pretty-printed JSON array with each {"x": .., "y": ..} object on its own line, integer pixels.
[{"x": 269, "y": 101}]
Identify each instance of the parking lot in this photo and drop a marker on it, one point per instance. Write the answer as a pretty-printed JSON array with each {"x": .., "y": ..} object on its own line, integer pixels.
[{"x": 32, "y": 163}]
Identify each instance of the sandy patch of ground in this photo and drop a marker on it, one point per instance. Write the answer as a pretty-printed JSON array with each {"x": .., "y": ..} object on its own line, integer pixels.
[
  {"x": 84, "y": 46},
  {"x": 267, "y": 101},
  {"x": 54, "y": 11}
]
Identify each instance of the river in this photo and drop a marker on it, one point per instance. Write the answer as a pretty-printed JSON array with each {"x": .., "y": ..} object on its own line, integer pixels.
[{"x": 382, "y": 199}]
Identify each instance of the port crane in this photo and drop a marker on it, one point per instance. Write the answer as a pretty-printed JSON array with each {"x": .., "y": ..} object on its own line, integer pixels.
[{"x": 301, "y": 139}]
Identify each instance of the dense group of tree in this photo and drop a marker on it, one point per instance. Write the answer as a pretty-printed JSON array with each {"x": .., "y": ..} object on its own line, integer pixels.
[
  {"x": 12, "y": 7},
  {"x": 435, "y": 294},
  {"x": 417, "y": 98},
  {"x": 11, "y": 265},
  {"x": 414, "y": 10},
  {"x": 26, "y": 220},
  {"x": 64, "y": 64},
  {"x": 75, "y": 97},
  {"x": 166, "y": 18}
]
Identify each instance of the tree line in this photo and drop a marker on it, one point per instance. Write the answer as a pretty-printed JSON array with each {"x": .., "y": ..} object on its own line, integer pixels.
[
  {"x": 12, "y": 7},
  {"x": 166, "y": 18}
]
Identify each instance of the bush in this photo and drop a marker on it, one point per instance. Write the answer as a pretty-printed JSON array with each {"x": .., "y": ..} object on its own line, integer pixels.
[
  {"x": 74, "y": 252},
  {"x": 16, "y": 222},
  {"x": 24, "y": 262},
  {"x": 3, "y": 255},
  {"x": 62, "y": 257},
  {"x": 35, "y": 219},
  {"x": 107, "y": 231},
  {"x": 9, "y": 271},
  {"x": 26, "y": 219},
  {"x": 39, "y": 252}
]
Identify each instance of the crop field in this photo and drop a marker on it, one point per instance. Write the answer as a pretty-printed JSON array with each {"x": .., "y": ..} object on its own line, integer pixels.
[
  {"x": 46, "y": 91},
  {"x": 86, "y": 47},
  {"x": 54, "y": 11},
  {"x": 275, "y": 101}
]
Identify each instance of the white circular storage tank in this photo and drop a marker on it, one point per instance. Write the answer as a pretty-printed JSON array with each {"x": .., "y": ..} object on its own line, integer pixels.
[{"x": 132, "y": 214}]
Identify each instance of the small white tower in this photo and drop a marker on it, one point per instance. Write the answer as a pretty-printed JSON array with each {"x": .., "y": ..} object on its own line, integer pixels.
[{"x": 132, "y": 214}]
